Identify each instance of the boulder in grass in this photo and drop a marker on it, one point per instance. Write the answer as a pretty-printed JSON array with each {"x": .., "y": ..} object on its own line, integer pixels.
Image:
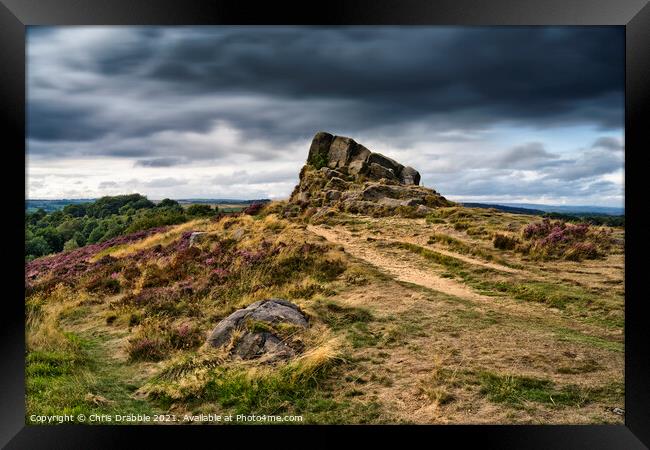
[{"x": 255, "y": 330}]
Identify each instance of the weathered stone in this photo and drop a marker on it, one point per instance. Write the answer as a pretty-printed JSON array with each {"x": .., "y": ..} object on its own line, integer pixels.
[
  {"x": 332, "y": 195},
  {"x": 377, "y": 172},
  {"x": 337, "y": 184},
  {"x": 238, "y": 234},
  {"x": 410, "y": 176},
  {"x": 319, "y": 150},
  {"x": 358, "y": 167},
  {"x": 359, "y": 206},
  {"x": 386, "y": 162},
  {"x": 322, "y": 214},
  {"x": 252, "y": 344},
  {"x": 330, "y": 173},
  {"x": 379, "y": 191},
  {"x": 340, "y": 151},
  {"x": 398, "y": 202},
  {"x": 359, "y": 153},
  {"x": 413, "y": 201},
  {"x": 196, "y": 237},
  {"x": 255, "y": 345},
  {"x": 393, "y": 202}
]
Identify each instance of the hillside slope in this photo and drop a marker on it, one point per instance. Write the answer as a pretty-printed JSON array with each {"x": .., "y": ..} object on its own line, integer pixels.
[{"x": 412, "y": 321}]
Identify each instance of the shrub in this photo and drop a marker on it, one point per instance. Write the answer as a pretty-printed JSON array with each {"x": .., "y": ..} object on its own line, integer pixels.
[
  {"x": 254, "y": 209},
  {"x": 200, "y": 210},
  {"x": 461, "y": 225},
  {"x": 504, "y": 242},
  {"x": 70, "y": 245},
  {"x": 185, "y": 336},
  {"x": 103, "y": 285},
  {"x": 432, "y": 219},
  {"x": 142, "y": 348},
  {"x": 155, "y": 340}
]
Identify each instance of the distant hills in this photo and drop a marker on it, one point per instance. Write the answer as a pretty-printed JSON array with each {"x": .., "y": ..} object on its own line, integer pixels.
[{"x": 538, "y": 209}]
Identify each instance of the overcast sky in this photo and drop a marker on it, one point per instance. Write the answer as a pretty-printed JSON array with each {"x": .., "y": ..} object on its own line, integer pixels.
[{"x": 485, "y": 114}]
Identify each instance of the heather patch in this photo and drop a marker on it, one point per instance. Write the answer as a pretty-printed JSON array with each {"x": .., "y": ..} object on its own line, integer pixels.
[
  {"x": 560, "y": 240},
  {"x": 72, "y": 264}
]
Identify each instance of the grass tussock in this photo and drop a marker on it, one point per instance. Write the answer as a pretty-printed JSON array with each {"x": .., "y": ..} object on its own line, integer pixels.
[{"x": 435, "y": 386}]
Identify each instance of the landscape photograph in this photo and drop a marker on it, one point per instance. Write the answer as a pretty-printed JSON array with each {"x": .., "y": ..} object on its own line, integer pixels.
[{"x": 324, "y": 225}]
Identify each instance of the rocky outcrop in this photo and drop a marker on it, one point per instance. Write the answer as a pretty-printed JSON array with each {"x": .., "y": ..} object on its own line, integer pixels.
[
  {"x": 339, "y": 152},
  {"x": 343, "y": 175},
  {"x": 256, "y": 331}
]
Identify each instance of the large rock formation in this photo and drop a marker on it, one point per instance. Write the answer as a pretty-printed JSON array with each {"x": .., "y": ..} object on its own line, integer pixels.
[
  {"x": 339, "y": 152},
  {"x": 342, "y": 174}
]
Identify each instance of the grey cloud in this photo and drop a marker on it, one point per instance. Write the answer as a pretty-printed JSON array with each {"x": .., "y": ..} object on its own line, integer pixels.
[
  {"x": 159, "y": 162},
  {"x": 525, "y": 156},
  {"x": 261, "y": 177},
  {"x": 588, "y": 165},
  {"x": 609, "y": 143}
]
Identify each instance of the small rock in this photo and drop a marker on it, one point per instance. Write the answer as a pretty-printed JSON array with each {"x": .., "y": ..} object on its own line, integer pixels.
[
  {"x": 97, "y": 399},
  {"x": 196, "y": 237},
  {"x": 238, "y": 234}
]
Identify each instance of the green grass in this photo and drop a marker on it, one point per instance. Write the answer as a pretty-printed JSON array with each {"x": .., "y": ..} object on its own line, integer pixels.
[
  {"x": 58, "y": 382},
  {"x": 515, "y": 391},
  {"x": 569, "y": 335},
  {"x": 447, "y": 261},
  {"x": 338, "y": 316}
]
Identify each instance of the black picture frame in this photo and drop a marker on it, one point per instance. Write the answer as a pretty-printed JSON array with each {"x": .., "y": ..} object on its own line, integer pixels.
[{"x": 634, "y": 15}]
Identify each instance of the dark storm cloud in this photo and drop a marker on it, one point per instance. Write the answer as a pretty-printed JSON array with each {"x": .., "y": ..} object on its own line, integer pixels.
[{"x": 298, "y": 80}]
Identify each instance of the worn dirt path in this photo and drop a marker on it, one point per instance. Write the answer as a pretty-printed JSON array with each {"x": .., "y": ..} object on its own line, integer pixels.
[{"x": 401, "y": 268}]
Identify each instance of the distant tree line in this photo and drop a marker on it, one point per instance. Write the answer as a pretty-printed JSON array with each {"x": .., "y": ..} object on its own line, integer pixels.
[{"x": 89, "y": 223}]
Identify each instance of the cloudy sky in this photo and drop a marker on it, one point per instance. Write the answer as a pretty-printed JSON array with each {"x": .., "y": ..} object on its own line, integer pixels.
[{"x": 485, "y": 114}]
